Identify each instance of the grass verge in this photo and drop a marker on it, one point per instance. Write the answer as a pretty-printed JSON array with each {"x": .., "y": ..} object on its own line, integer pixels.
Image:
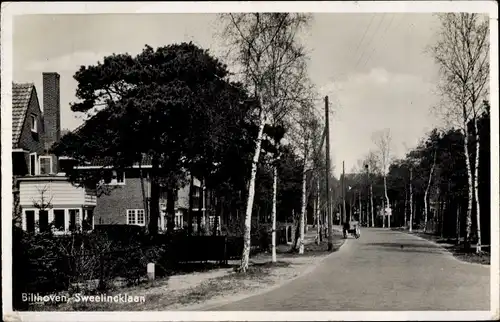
[{"x": 458, "y": 251}]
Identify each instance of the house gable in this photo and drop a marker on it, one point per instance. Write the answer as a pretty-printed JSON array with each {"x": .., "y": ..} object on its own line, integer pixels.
[{"x": 25, "y": 104}]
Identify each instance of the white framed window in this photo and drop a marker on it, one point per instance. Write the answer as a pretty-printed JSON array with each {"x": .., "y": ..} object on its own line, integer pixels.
[
  {"x": 117, "y": 178},
  {"x": 59, "y": 220},
  {"x": 136, "y": 217},
  {"x": 33, "y": 164},
  {"x": 45, "y": 165},
  {"x": 29, "y": 221},
  {"x": 88, "y": 222},
  {"x": 131, "y": 217},
  {"x": 179, "y": 220},
  {"x": 211, "y": 221},
  {"x": 141, "y": 218},
  {"x": 33, "y": 123},
  {"x": 74, "y": 219}
]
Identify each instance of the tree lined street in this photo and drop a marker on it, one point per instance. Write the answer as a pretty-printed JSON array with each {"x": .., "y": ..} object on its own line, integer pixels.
[
  {"x": 253, "y": 128},
  {"x": 384, "y": 270}
]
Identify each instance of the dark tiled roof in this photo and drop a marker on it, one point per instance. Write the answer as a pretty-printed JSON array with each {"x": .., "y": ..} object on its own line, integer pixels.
[{"x": 21, "y": 95}]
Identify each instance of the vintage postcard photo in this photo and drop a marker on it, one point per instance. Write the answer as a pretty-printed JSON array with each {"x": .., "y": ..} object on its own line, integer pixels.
[{"x": 250, "y": 161}]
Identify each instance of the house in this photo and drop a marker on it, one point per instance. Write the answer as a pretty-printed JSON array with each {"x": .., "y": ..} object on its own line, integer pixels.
[
  {"x": 124, "y": 200},
  {"x": 43, "y": 194},
  {"x": 43, "y": 197}
]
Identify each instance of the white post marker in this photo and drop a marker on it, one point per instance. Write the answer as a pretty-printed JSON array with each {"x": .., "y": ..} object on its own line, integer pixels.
[{"x": 151, "y": 271}]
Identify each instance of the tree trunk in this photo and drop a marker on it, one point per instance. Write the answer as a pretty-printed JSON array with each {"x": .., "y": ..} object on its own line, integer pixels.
[
  {"x": 295, "y": 231},
  {"x": 214, "y": 212},
  {"x": 303, "y": 209},
  {"x": 446, "y": 205},
  {"x": 476, "y": 187},
  {"x": 155, "y": 198},
  {"x": 411, "y": 201},
  {"x": 143, "y": 191},
  {"x": 203, "y": 214},
  {"x": 383, "y": 213},
  {"x": 388, "y": 203},
  {"x": 406, "y": 208},
  {"x": 191, "y": 204},
  {"x": 426, "y": 194},
  {"x": 468, "y": 218},
  {"x": 273, "y": 213},
  {"x": 351, "y": 202},
  {"x": 439, "y": 210},
  {"x": 245, "y": 258},
  {"x": 371, "y": 206},
  {"x": 170, "y": 209},
  {"x": 318, "y": 214},
  {"x": 458, "y": 225}
]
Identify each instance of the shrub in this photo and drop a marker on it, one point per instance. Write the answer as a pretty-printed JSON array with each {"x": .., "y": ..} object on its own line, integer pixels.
[
  {"x": 44, "y": 263},
  {"x": 233, "y": 229},
  {"x": 37, "y": 265}
]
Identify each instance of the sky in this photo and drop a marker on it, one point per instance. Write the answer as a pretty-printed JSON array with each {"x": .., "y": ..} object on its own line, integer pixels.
[{"x": 373, "y": 66}]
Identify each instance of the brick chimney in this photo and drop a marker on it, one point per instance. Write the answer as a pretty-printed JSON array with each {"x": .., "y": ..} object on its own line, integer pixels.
[{"x": 51, "y": 109}]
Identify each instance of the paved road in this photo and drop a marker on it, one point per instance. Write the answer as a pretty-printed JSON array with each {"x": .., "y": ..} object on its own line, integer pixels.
[{"x": 375, "y": 273}]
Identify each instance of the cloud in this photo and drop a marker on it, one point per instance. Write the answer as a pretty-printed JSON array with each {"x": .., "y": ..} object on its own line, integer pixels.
[{"x": 66, "y": 63}]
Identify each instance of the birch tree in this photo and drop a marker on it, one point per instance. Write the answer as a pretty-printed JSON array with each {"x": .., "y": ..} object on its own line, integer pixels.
[
  {"x": 428, "y": 187},
  {"x": 266, "y": 51},
  {"x": 411, "y": 167},
  {"x": 272, "y": 144},
  {"x": 383, "y": 141},
  {"x": 462, "y": 54},
  {"x": 372, "y": 167},
  {"x": 303, "y": 134},
  {"x": 318, "y": 213},
  {"x": 406, "y": 208}
]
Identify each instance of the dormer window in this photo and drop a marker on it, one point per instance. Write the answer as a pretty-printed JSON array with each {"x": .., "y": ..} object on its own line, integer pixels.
[
  {"x": 45, "y": 163},
  {"x": 117, "y": 177},
  {"x": 34, "y": 127}
]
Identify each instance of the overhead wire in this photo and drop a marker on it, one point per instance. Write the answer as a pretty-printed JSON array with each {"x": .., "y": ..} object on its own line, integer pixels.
[
  {"x": 381, "y": 39},
  {"x": 371, "y": 39},
  {"x": 364, "y": 35}
]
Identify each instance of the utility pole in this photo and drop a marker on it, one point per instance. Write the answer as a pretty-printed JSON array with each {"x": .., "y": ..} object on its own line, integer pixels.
[
  {"x": 328, "y": 211},
  {"x": 360, "y": 218},
  {"x": 344, "y": 215},
  {"x": 367, "y": 186}
]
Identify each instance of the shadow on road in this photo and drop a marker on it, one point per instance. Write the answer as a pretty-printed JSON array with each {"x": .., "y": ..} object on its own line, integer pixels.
[
  {"x": 409, "y": 250},
  {"x": 405, "y": 247}
]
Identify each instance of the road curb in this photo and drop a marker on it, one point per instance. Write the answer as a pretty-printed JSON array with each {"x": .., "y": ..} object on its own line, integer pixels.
[
  {"x": 208, "y": 307},
  {"x": 447, "y": 251}
]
